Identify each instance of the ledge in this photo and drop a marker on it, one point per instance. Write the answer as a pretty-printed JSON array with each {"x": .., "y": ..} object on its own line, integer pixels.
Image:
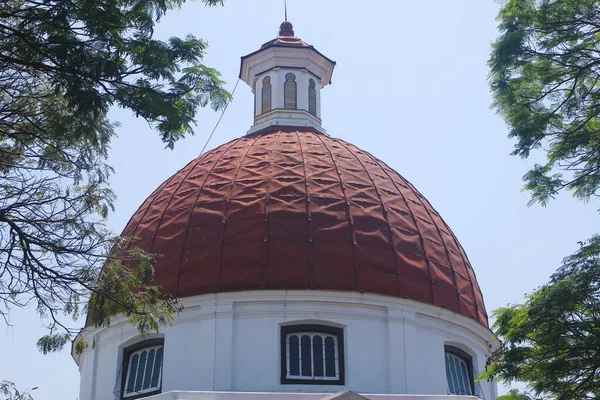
[
  {"x": 283, "y": 117},
  {"x": 184, "y": 395}
]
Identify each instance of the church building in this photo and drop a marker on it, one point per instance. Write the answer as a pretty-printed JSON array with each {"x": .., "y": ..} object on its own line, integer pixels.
[{"x": 307, "y": 269}]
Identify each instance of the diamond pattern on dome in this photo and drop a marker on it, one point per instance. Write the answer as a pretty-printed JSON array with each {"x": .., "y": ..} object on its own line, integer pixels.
[{"x": 295, "y": 209}]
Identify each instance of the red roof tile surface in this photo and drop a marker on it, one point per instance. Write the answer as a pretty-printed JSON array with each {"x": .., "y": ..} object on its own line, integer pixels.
[{"x": 295, "y": 209}]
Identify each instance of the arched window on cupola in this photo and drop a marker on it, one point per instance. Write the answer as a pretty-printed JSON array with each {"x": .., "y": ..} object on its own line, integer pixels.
[
  {"x": 312, "y": 97},
  {"x": 289, "y": 92},
  {"x": 266, "y": 95}
]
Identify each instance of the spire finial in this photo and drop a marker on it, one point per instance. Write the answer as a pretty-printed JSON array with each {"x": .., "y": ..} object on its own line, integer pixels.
[{"x": 286, "y": 29}]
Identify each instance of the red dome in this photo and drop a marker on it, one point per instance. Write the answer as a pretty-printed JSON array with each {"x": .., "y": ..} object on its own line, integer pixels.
[{"x": 300, "y": 210}]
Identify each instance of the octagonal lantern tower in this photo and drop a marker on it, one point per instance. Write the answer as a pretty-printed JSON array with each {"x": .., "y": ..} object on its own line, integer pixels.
[
  {"x": 307, "y": 268},
  {"x": 286, "y": 61}
]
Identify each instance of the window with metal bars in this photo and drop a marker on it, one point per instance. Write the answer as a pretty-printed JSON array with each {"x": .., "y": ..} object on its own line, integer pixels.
[
  {"x": 459, "y": 371},
  {"x": 266, "y": 95},
  {"x": 312, "y": 354},
  {"x": 312, "y": 97},
  {"x": 290, "y": 92},
  {"x": 142, "y": 369}
]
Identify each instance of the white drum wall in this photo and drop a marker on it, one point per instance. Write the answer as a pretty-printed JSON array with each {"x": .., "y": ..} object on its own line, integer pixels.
[{"x": 231, "y": 342}]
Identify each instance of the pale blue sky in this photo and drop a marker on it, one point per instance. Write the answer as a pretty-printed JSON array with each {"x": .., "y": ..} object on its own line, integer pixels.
[{"x": 410, "y": 87}]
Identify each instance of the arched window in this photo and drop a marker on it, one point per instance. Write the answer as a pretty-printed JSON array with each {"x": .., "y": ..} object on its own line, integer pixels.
[
  {"x": 312, "y": 97},
  {"x": 459, "y": 371},
  {"x": 142, "y": 369},
  {"x": 312, "y": 354},
  {"x": 266, "y": 95},
  {"x": 289, "y": 91}
]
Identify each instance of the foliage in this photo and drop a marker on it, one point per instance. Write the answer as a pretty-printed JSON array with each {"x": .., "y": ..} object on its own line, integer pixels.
[
  {"x": 552, "y": 341},
  {"x": 9, "y": 392},
  {"x": 545, "y": 74},
  {"x": 514, "y": 394},
  {"x": 63, "y": 65},
  {"x": 544, "y": 77}
]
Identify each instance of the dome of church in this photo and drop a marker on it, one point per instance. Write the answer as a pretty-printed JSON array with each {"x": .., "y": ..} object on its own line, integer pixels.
[
  {"x": 305, "y": 268},
  {"x": 297, "y": 209}
]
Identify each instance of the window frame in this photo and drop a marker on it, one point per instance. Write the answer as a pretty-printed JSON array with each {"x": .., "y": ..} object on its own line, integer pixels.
[
  {"x": 290, "y": 85},
  {"x": 266, "y": 88},
  {"x": 468, "y": 359},
  {"x": 313, "y": 328},
  {"x": 127, "y": 353},
  {"x": 312, "y": 97}
]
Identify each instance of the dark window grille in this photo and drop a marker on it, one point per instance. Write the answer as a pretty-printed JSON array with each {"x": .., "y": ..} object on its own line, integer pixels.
[
  {"x": 142, "y": 369},
  {"x": 459, "y": 372},
  {"x": 312, "y": 97},
  {"x": 312, "y": 354},
  {"x": 290, "y": 92},
  {"x": 266, "y": 95}
]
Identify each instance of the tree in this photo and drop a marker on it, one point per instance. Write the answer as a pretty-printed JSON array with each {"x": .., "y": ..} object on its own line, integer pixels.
[
  {"x": 10, "y": 392},
  {"x": 514, "y": 394},
  {"x": 552, "y": 341},
  {"x": 545, "y": 71},
  {"x": 545, "y": 75},
  {"x": 63, "y": 65}
]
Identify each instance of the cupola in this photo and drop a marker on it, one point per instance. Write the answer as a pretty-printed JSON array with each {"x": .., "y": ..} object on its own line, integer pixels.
[{"x": 286, "y": 76}]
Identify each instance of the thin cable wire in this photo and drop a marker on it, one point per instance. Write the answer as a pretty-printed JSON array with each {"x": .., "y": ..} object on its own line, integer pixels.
[{"x": 220, "y": 118}]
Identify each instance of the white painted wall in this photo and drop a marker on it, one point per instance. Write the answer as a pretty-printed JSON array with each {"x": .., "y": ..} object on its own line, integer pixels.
[
  {"x": 230, "y": 342},
  {"x": 278, "y": 115}
]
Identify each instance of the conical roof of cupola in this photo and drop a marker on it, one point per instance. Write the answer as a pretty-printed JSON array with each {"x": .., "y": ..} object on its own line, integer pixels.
[{"x": 286, "y": 37}]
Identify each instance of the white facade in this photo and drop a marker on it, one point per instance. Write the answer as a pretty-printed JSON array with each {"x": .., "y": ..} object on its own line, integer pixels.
[
  {"x": 279, "y": 115},
  {"x": 230, "y": 342}
]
